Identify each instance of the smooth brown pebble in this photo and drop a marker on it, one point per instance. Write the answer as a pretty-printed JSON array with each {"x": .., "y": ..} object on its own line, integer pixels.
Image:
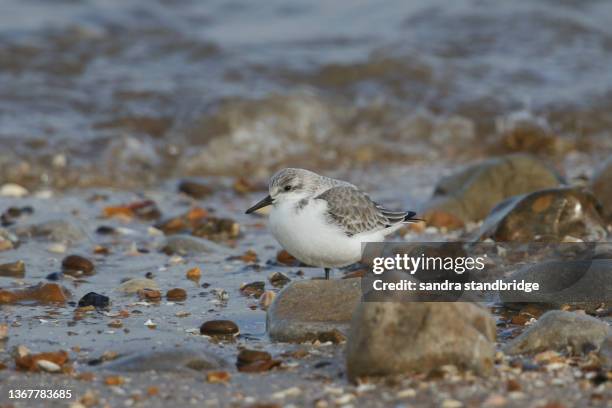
[
  {"x": 176, "y": 294},
  {"x": 76, "y": 265},
  {"x": 219, "y": 328}
]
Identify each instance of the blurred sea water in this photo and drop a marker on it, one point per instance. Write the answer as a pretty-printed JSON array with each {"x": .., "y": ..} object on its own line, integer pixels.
[{"x": 108, "y": 92}]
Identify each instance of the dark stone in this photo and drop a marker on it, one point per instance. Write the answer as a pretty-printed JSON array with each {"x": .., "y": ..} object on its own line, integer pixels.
[
  {"x": 279, "y": 279},
  {"x": 55, "y": 276},
  {"x": 219, "y": 328},
  {"x": 255, "y": 289},
  {"x": 194, "y": 189},
  {"x": 176, "y": 294},
  {"x": 77, "y": 265},
  {"x": 12, "y": 213},
  {"x": 94, "y": 299},
  {"x": 247, "y": 356},
  {"x": 106, "y": 230},
  {"x": 546, "y": 216}
]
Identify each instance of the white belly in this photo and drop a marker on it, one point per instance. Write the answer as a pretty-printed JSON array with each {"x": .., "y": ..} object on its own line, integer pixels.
[{"x": 306, "y": 235}]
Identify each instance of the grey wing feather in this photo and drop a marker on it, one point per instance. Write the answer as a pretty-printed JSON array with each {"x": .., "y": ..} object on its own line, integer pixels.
[{"x": 354, "y": 212}]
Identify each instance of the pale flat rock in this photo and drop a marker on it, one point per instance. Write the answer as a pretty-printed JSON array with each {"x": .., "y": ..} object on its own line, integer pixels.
[
  {"x": 134, "y": 285},
  {"x": 305, "y": 309}
]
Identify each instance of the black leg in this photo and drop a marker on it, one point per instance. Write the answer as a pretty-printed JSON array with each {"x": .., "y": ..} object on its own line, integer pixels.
[{"x": 327, "y": 270}]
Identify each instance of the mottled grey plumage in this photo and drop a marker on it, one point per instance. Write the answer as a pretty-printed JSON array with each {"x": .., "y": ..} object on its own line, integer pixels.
[
  {"x": 304, "y": 180},
  {"x": 354, "y": 212}
]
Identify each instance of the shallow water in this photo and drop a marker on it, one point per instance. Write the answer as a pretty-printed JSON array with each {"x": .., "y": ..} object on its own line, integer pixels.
[{"x": 119, "y": 93}]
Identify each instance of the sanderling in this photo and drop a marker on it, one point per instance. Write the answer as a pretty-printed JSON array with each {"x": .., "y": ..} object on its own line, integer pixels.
[{"x": 323, "y": 221}]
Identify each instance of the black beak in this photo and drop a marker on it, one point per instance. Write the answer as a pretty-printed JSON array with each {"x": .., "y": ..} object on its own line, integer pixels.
[{"x": 263, "y": 203}]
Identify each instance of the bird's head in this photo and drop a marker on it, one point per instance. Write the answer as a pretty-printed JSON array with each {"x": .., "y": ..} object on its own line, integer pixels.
[{"x": 288, "y": 185}]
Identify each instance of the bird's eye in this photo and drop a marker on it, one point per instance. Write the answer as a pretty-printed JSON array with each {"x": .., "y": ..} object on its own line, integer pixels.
[{"x": 287, "y": 188}]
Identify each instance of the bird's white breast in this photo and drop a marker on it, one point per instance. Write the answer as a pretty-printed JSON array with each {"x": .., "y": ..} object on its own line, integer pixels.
[{"x": 306, "y": 234}]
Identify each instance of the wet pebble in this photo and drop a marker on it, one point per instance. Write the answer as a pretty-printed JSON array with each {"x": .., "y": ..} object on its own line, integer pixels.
[
  {"x": 247, "y": 356},
  {"x": 13, "y": 190},
  {"x": 10, "y": 216},
  {"x": 217, "y": 229},
  {"x": 94, "y": 299},
  {"x": 285, "y": 258},
  {"x": 145, "y": 210},
  {"x": 136, "y": 284},
  {"x": 219, "y": 328},
  {"x": 76, "y": 265},
  {"x": 194, "y": 189},
  {"x": 43, "y": 293},
  {"x": 183, "y": 223},
  {"x": 8, "y": 240},
  {"x": 55, "y": 276},
  {"x": 332, "y": 336},
  {"x": 31, "y": 362},
  {"x": 13, "y": 269},
  {"x": 255, "y": 289},
  {"x": 278, "y": 279},
  {"x": 251, "y": 361},
  {"x": 176, "y": 294},
  {"x": 48, "y": 366},
  {"x": 266, "y": 299},
  {"x": 151, "y": 295},
  {"x": 194, "y": 274},
  {"x": 106, "y": 230},
  {"x": 218, "y": 377}
]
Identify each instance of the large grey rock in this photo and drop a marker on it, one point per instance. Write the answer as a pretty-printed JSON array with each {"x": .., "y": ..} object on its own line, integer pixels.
[
  {"x": 305, "y": 309},
  {"x": 546, "y": 216},
  {"x": 175, "y": 359},
  {"x": 470, "y": 194},
  {"x": 560, "y": 330},
  {"x": 389, "y": 338},
  {"x": 586, "y": 284},
  {"x": 601, "y": 185}
]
